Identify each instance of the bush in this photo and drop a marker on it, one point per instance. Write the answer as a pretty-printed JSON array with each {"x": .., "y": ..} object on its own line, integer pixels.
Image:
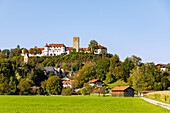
[
  {"x": 84, "y": 91},
  {"x": 66, "y": 92}
]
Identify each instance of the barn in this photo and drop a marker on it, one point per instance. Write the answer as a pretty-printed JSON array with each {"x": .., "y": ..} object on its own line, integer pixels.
[{"x": 122, "y": 91}]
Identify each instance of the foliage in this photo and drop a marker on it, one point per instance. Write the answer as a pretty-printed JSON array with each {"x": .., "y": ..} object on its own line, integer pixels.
[
  {"x": 85, "y": 74},
  {"x": 54, "y": 85},
  {"x": 88, "y": 88},
  {"x": 92, "y": 46},
  {"x": 110, "y": 78},
  {"x": 67, "y": 91},
  {"x": 102, "y": 68},
  {"x": 25, "y": 86}
]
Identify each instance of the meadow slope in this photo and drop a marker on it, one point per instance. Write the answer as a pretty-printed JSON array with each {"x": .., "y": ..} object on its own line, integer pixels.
[{"x": 76, "y": 104}]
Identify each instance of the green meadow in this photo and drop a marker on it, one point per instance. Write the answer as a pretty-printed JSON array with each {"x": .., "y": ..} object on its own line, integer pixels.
[{"x": 76, "y": 104}]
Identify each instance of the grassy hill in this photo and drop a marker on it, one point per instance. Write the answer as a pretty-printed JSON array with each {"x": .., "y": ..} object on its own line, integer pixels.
[
  {"x": 117, "y": 83},
  {"x": 76, "y": 104}
]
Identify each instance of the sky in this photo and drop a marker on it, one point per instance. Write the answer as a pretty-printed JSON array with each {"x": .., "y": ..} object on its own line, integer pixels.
[{"x": 125, "y": 27}]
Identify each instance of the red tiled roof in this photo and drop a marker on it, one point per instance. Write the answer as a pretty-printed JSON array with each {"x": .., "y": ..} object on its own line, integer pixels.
[
  {"x": 120, "y": 88},
  {"x": 85, "y": 49},
  {"x": 37, "y": 49},
  {"x": 70, "y": 48},
  {"x": 56, "y": 45},
  {"x": 94, "y": 80},
  {"x": 67, "y": 82},
  {"x": 102, "y": 47},
  {"x": 161, "y": 65}
]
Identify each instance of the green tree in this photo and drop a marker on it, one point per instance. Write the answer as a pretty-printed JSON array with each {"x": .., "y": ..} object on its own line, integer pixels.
[
  {"x": 39, "y": 51},
  {"x": 136, "y": 60},
  {"x": 137, "y": 77},
  {"x": 25, "y": 86},
  {"x": 92, "y": 46},
  {"x": 89, "y": 88},
  {"x": 102, "y": 68},
  {"x": 110, "y": 78},
  {"x": 127, "y": 65},
  {"x": 165, "y": 82},
  {"x": 31, "y": 51},
  {"x": 4, "y": 84},
  {"x": 54, "y": 85},
  {"x": 43, "y": 86},
  {"x": 84, "y": 75}
]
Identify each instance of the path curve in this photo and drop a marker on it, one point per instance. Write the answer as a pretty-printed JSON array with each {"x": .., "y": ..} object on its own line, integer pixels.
[{"x": 164, "y": 105}]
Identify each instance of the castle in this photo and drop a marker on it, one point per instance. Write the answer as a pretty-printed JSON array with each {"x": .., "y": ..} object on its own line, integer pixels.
[{"x": 58, "y": 49}]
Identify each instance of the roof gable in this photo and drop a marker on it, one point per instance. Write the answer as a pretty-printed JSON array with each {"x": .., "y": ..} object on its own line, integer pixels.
[
  {"x": 120, "y": 88},
  {"x": 95, "y": 80},
  {"x": 56, "y": 45}
]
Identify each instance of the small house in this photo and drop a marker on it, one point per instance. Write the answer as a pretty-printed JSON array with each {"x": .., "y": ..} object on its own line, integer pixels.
[
  {"x": 67, "y": 84},
  {"x": 97, "y": 82},
  {"x": 122, "y": 91}
]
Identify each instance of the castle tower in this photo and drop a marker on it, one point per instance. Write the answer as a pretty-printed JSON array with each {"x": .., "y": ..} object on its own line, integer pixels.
[
  {"x": 76, "y": 43},
  {"x": 26, "y": 56}
]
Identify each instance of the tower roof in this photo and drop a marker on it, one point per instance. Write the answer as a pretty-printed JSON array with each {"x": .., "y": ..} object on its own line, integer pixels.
[{"x": 46, "y": 45}]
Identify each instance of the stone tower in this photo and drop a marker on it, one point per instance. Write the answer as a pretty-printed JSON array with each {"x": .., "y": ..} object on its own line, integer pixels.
[
  {"x": 26, "y": 57},
  {"x": 76, "y": 43}
]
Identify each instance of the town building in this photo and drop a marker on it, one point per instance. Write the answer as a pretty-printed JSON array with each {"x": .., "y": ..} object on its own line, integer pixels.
[
  {"x": 67, "y": 84},
  {"x": 97, "y": 82},
  {"x": 58, "y": 49},
  {"x": 162, "y": 67},
  {"x": 122, "y": 91},
  {"x": 100, "y": 50}
]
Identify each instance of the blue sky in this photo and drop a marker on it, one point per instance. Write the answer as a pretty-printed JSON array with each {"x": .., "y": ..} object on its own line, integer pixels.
[{"x": 125, "y": 27}]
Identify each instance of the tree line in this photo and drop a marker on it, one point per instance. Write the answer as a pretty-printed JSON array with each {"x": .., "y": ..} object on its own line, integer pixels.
[{"x": 16, "y": 77}]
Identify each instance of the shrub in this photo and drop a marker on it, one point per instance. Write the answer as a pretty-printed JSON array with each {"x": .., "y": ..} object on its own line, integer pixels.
[{"x": 66, "y": 92}]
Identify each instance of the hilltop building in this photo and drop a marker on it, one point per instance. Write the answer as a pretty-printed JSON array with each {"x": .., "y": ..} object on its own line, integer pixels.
[
  {"x": 162, "y": 67},
  {"x": 58, "y": 49}
]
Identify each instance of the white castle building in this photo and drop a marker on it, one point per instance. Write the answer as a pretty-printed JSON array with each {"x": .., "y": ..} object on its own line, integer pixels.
[{"x": 58, "y": 49}]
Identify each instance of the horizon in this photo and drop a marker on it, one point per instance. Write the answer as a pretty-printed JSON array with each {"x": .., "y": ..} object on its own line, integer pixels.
[{"x": 126, "y": 28}]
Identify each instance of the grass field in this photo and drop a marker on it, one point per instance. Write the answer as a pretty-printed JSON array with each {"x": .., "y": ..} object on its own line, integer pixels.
[
  {"x": 163, "y": 96},
  {"x": 76, "y": 104}
]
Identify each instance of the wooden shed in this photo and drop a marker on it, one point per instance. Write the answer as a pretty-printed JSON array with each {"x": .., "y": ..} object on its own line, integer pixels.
[{"x": 122, "y": 91}]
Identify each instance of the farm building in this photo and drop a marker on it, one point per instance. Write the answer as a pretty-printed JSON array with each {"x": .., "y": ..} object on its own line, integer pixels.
[
  {"x": 143, "y": 93},
  {"x": 97, "y": 82},
  {"x": 122, "y": 91}
]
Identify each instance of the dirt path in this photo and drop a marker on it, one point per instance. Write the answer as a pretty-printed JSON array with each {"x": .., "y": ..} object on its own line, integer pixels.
[{"x": 167, "y": 106}]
